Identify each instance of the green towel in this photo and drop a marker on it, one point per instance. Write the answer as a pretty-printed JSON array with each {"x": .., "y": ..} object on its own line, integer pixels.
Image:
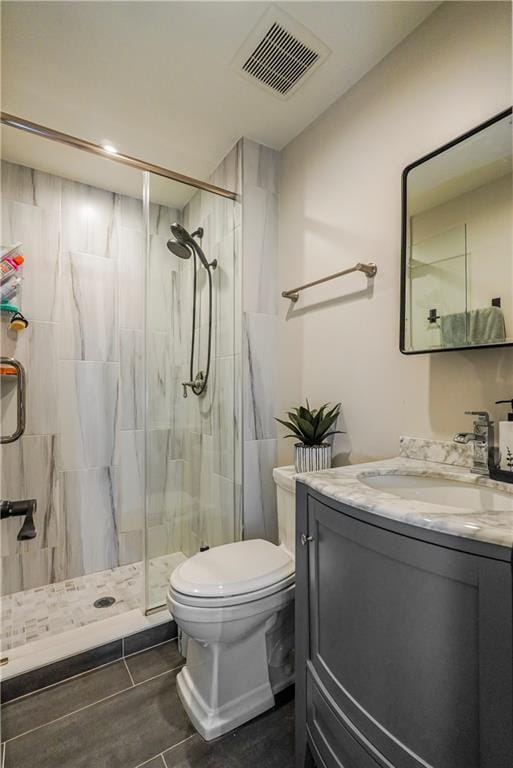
[{"x": 485, "y": 326}]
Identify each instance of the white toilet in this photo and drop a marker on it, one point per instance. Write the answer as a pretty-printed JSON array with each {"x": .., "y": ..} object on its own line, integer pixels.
[{"x": 235, "y": 603}]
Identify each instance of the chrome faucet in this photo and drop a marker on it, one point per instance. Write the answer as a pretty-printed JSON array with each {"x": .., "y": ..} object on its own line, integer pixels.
[{"x": 482, "y": 439}]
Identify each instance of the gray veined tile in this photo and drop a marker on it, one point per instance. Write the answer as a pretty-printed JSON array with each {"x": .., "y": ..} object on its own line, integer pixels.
[
  {"x": 179, "y": 308},
  {"x": 261, "y": 166},
  {"x": 131, "y": 548},
  {"x": 89, "y": 327},
  {"x": 29, "y": 472},
  {"x": 131, "y": 278},
  {"x": 37, "y": 349},
  {"x": 165, "y": 478},
  {"x": 131, "y": 213},
  {"x": 90, "y": 504},
  {"x": 260, "y": 236},
  {"x": 260, "y": 516},
  {"x": 90, "y": 220},
  {"x": 159, "y": 375},
  {"x": 22, "y": 184},
  {"x": 227, "y": 173},
  {"x": 218, "y": 516},
  {"x": 38, "y": 231},
  {"x": 131, "y": 507},
  {"x": 203, "y": 469},
  {"x": 225, "y": 287},
  {"x": 88, "y": 406},
  {"x": 161, "y": 218},
  {"x": 132, "y": 379},
  {"x": 226, "y": 216},
  {"x": 224, "y": 419},
  {"x": 161, "y": 263},
  {"x": 28, "y": 570},
  {"x": 259, "y": 376},
  {"x": 192, "y": 212},
  {"x": 237, "y": 405}
]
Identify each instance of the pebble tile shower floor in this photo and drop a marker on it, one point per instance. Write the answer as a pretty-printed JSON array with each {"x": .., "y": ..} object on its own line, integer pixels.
[
  {"x": 127, "y": 714},
  {"x": 54, "y": 608}
]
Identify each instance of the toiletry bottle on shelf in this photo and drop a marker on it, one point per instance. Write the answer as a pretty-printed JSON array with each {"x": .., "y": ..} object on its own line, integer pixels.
[
  {"x": 506, "y": 439},
  {"x": 9, "y": 266}
]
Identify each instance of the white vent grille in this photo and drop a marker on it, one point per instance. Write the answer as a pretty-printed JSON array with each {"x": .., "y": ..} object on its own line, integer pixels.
[
  {"x": 279, "y": 54},
  {"x": 280, "y": 60}
]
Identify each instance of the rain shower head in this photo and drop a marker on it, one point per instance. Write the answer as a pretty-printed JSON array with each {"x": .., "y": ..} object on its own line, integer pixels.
[
  {"x": 184, "y": 243},
  {"x": 178, "y": 249}
]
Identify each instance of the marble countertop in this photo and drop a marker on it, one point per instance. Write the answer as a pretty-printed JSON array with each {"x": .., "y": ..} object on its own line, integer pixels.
[{"x": 345, "y": 484}]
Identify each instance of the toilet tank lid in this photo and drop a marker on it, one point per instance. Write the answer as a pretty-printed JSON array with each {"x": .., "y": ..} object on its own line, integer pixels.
[
  {"x": 285, "y": 477},
  {"x": 232, "y": 569}
]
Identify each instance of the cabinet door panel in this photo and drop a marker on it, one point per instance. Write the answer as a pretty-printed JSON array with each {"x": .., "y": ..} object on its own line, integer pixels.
[
  {"x": 336, "y": 746},
  {"x": 394, "y": 639}
]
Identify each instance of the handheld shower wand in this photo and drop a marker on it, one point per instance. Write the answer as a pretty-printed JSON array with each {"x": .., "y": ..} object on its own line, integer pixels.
[{"x": 184, "y": 246}]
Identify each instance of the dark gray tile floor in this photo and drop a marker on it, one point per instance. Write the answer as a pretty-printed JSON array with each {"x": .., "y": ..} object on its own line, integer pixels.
[
  {"x": 127, "y": 714},
  {"x": 267, "y": 742},
  {"x": 153, "y": 662}
]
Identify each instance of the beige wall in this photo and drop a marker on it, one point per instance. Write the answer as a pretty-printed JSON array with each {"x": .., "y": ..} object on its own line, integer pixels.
[{"x": 340, "y": 203}]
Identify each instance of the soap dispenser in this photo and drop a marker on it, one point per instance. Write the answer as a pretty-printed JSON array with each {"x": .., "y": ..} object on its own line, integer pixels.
[{"x": 506, "y": 439}]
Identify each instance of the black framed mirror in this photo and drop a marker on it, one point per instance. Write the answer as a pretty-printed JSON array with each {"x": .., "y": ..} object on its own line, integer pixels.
[{"x": 457, "y": 243}]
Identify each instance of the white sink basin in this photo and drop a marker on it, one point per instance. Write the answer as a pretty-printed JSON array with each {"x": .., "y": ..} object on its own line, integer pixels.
[{"x": 440, "y": 490}]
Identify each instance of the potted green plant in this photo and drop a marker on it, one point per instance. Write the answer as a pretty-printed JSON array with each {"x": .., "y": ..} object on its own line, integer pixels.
[{"x": 312, "y": 426}]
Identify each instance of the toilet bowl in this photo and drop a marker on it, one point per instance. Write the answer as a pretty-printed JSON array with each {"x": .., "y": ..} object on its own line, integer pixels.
[{"x": 235, "y": 604}]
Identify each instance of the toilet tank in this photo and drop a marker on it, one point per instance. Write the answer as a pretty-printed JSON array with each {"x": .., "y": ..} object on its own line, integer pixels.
[{"x": 285, "y": 481}]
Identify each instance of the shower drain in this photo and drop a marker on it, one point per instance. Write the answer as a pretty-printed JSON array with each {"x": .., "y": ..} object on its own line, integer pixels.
[{"x": 104, "y": 602}]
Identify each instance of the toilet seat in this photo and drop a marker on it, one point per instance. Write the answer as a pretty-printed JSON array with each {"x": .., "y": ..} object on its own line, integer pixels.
[
  {"x": 196, "y": 601},
  {"x": 232, "y": 574}
]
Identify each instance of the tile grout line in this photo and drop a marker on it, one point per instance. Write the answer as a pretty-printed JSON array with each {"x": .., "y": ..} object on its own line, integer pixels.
[
  {"x": 59, "y": 682},
  {"x": 150, "y": 759},
  {"x": 174, "y": 747},
  {"x": 79, "y": 674},
  {"x": 88, "y": 706},
  {"x": 129, "y": 673},
  {"x": 149, "y": 648}
]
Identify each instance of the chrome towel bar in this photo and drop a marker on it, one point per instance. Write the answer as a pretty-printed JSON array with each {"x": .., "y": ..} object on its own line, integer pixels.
[
  {"x": 368, "y": 269},
  {"x": 20, "y": 379}
]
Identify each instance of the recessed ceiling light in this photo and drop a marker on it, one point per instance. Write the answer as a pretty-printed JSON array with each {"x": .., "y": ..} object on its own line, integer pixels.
[{"x": 109, "y": 148}]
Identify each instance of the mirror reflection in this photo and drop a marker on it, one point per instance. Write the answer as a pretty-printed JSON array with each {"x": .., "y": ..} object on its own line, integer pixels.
[{"x": 458, "y": 244}]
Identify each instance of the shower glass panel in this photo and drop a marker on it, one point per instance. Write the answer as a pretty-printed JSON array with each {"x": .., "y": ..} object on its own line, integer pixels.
[
  {"x": 193, "y": 472},
  {"x": 77, "y": 220},
  {"x": 437, "y": 287}
]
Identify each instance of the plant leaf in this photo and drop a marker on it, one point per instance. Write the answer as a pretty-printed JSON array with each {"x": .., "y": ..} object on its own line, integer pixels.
[
  {"x": 292, "y": 427},
  {"x": 306, "y": 428},
  {"x": 335, "y": 432}
]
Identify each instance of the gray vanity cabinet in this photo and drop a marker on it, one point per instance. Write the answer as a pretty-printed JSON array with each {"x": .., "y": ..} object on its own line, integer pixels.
[{"x": 404, "y": 644}]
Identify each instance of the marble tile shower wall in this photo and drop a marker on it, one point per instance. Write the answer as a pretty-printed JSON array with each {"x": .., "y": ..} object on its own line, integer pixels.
[
  {"x": 260, "y": 178},
  {"x": 210, "y": 474},
  {"x": 82, "y": 452}
]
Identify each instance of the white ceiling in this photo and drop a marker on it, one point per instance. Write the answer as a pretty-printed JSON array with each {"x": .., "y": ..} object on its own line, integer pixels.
[{"x": 155, "y": 78}]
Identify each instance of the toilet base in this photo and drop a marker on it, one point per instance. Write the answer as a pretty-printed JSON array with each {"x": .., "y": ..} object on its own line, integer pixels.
[
  {"x": 212, "y": 723},
  {"x": 225, "y": 684}
]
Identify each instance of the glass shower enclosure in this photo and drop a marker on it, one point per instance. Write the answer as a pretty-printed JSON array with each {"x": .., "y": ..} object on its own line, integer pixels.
[
  {"x": 193, "y": 380},
  {"x": 129, "y": 476}
]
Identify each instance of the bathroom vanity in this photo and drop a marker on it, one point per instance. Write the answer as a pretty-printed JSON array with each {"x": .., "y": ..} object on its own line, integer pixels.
[{"x": 404, "y": 618}]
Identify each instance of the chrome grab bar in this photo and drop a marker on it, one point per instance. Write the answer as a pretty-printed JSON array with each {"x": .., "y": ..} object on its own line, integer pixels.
[
  {"x": 369, "y": 269},
  {"x": 20, "y": 399}
]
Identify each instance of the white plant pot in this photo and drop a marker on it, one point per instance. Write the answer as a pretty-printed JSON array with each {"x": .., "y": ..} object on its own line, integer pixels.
[{"x": 311, "y": 458}]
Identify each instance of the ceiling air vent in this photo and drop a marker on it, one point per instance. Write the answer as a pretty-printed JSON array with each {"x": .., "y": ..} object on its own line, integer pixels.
[{"x": 280, "y": 54}]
